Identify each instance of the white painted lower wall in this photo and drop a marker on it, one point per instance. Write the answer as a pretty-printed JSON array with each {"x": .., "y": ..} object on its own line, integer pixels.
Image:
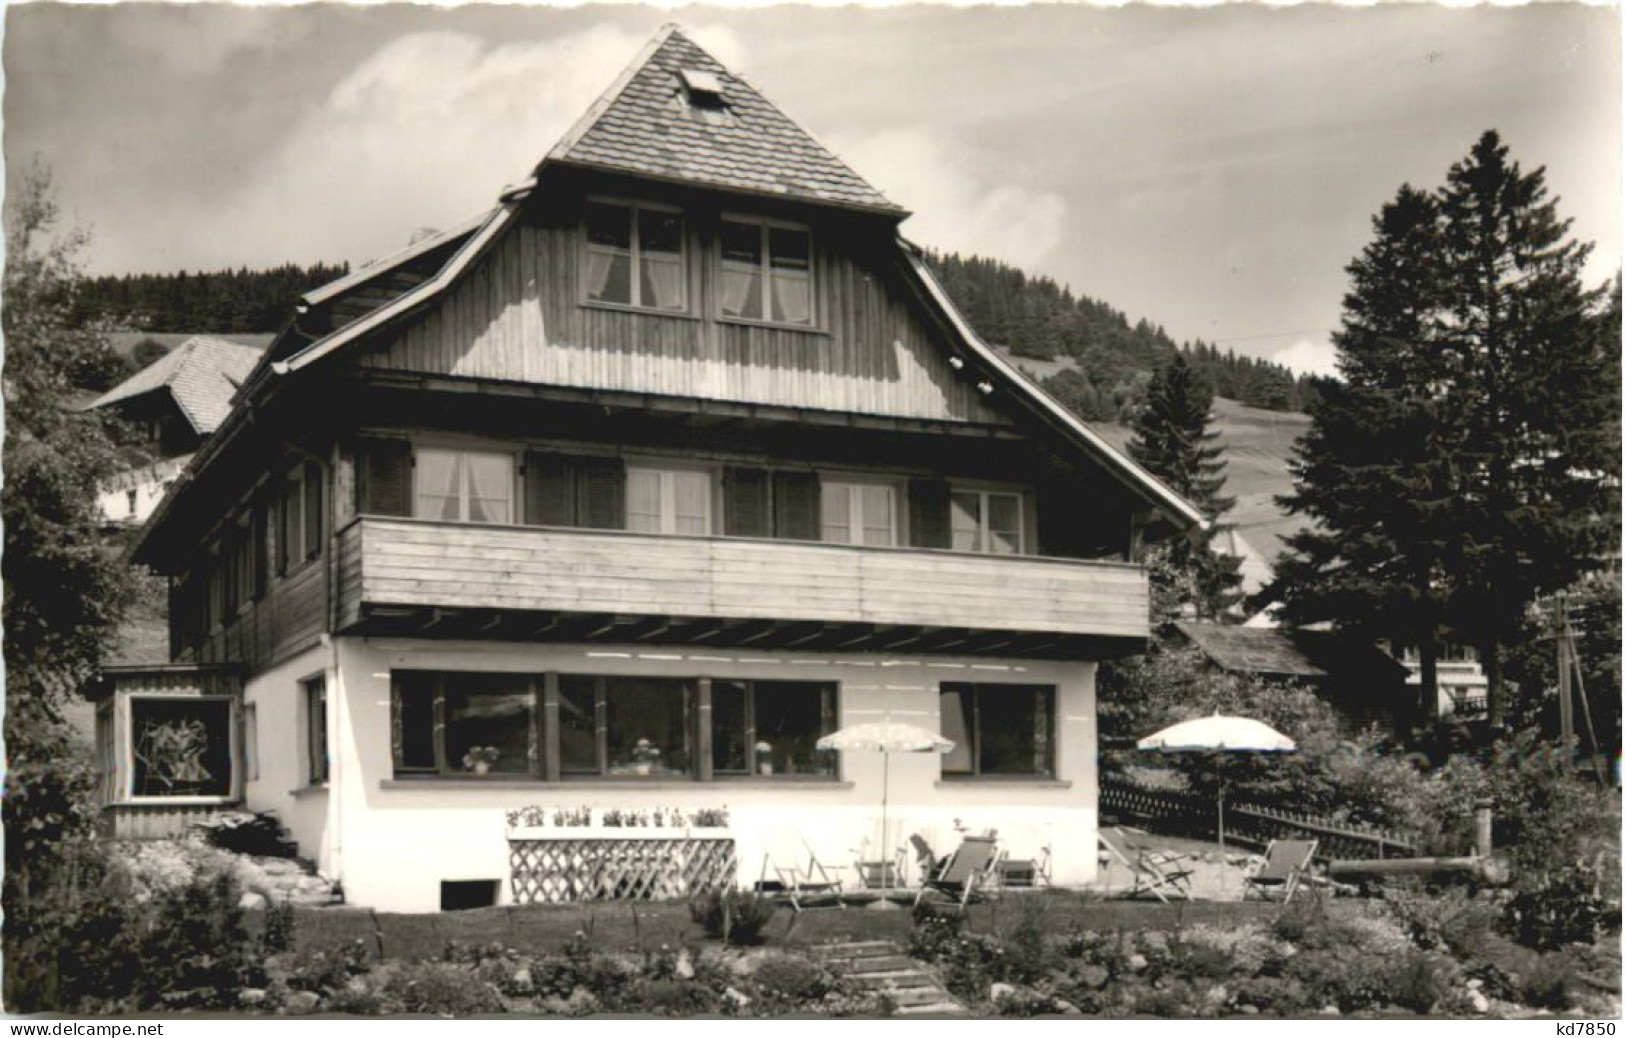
[
  {"x": 278, "y": 765},
  {"x": 393, "y": 843}
]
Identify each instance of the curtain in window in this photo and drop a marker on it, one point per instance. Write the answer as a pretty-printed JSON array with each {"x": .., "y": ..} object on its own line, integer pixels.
[
  {"x": 1003, "y": 524},
  {"x": 792, "y": 296},
  {"x": 607, "y": 280},
  {"x": 439, "y": 475},
  {"x": 955, "y": 704},
  {"x": 741, "y": 291},
  {"x": 490, "y": 488},
  {"x": 966, "y": 521},
  {"x": 837, "y": 513},
  {"x": 663, "y": 281},
  {"x": 879, "y": 526}
]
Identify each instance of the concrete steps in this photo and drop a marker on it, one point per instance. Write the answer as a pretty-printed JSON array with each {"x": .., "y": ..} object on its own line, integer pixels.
[{"x": 882, "y": 966}]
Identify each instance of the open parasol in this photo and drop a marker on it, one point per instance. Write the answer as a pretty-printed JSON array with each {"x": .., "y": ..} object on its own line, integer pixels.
[{"x": 885, "y": 738}]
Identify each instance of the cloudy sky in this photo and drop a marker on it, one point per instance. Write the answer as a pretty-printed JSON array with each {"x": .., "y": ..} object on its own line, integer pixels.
[{"x": 1210, "y": 169}]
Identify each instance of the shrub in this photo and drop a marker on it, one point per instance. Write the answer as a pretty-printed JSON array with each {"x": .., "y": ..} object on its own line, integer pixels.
[
  {"x": 735, "y": 916},
  {"x": 1564, "y": 910},
  {"x": 792, "y": 978},
  {"x": 246, "y": 832},
  {"x": 1449, "y": 920},
  {"x": 441, "y": 989}
]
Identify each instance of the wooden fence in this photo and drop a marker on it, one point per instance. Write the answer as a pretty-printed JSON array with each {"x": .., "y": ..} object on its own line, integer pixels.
[
  {"x": 1179, "y": 813},
  {"x": 634, "y": 866}
]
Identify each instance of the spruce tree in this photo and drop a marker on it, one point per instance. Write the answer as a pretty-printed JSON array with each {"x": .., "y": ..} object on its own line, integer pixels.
[
  {"x": 1373, "y": 471},
  {"x": 1531, "y": 394},
  {"x": 1173, "y": 440}
]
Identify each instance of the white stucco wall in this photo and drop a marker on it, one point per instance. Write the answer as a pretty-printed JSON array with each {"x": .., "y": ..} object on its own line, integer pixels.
[
  {"x": 394, "y": 842},
  {"x": 280, "y": 741}
]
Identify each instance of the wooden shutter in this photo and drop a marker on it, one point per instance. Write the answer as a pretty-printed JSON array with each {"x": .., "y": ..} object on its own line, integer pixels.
[
  {"x": 928, "y": 521},
  {"x": 797, "y": 511},
  {"x": 262, "y": 550},
  {"x": 313, "y": 509},
  {"x": 283, "y": 525},
  {"x": 550, "y": 490},
  {"x": 384, "y": 477},
  {"x": 745, "y": 503},
  {"x": 601, "y": 493}
]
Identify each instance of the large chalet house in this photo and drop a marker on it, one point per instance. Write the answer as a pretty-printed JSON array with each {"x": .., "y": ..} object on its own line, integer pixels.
[{"x": 620, "y": 497}]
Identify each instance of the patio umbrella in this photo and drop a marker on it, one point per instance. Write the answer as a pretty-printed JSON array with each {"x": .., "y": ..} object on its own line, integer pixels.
[
  {"x": 885, "y": 738},
  {"x": 1219, "y": 734}
]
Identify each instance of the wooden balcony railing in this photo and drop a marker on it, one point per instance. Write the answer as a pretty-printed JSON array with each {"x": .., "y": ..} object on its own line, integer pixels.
[{"x": 392, "y": 567}]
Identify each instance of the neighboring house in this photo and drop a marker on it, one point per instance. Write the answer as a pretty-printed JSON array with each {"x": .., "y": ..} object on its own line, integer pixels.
[
  {"x": 620, "y": 497},
  {"x": 177, "y": 401},
  {"x": 1463, "y": 685},
  {"x": 1359, "y": 681}
]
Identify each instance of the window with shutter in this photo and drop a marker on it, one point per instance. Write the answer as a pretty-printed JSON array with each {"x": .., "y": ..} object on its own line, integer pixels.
[
  {"x": 928, "y": 513},
  {"x": 745, "y": 504},
  {"x": 262, "y": 550},
  {"x": 601, "y": 490},
  {"x": 797, "y": 512},
  {"x": 550, "y": 490},
  {"x": 384, "y": 477},
  {"x": 313, "y": 509}
]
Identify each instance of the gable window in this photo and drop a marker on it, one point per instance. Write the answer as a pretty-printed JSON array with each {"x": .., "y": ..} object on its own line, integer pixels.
[
  {"x": 860, "y": 513},
  {"x": 315, "y": 696},
  {"x": 986, "y": 521},
  {"x": 767, "y": 273},
  {"x": 998, "y": 729},
  {"x": 771, "y": 728},
  {"x": 464, "y": 723},
  {"x": 635, "y": 256},
  {"x": 671, "y": 501},
  {"x": 464, "y": 486},
  {"x": 299, "y": 523}
]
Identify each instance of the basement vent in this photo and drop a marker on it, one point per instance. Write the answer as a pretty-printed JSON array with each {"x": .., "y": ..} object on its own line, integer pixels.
[
  {"x": 703, "y": 89},
  {"x": 459, "y": 894}
]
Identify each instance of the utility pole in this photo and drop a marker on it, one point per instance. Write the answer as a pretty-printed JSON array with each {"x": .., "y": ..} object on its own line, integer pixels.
[{"x": 1569, "y": 680}]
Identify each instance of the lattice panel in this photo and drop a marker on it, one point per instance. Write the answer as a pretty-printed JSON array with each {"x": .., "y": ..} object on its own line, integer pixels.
[{"x": 583, "y": 869}]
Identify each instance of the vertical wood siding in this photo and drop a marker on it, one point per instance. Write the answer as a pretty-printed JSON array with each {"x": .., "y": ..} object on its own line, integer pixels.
[{"x": 517, "y": 315}]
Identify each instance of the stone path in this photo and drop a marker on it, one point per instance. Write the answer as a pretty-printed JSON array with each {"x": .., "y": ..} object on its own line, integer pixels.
[
  {"x": 883, "y": 966},
  {"x": 284, "y": 879}
]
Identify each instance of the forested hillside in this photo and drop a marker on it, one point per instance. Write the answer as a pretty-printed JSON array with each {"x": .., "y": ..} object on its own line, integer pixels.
[
  {"x": 1037, "y": 318},
  {"x": 239, "y": 300}
]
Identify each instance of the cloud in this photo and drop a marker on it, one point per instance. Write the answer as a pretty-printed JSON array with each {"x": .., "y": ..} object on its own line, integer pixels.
[
  {"x": 1309, "y": 357},
  {"x": 957, "y": 210},
  {"x": 426, "y": 131}
]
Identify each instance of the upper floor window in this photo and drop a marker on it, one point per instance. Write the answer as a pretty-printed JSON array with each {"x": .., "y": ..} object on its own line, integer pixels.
[
  {"x": 464, "y": 486},
  {"x": 767, "y": 272},
  {"x": 674, "y": 501},
  {"x": 859, "y": 513},
  {"x": 986, "y": 521},
  {"x": 635, "y": 256},
  {"x": 299, "y": 525}
]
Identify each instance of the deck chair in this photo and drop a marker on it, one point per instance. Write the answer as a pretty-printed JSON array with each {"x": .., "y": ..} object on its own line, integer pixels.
[
  {"x": 969, "y": 869},
  {"x": 1023, "y": 872},
  {"x": 800, "y": 886},
  {"x": 1155, "y": 872},
  {"x": 1286, "y": 862}
]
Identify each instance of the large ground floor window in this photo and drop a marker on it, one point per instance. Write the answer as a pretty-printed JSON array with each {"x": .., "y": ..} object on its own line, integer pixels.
[
  {"x": 998, "y": 730},
  {"x": 181, "y": 747},
  {"x": 584, "y": 726}
]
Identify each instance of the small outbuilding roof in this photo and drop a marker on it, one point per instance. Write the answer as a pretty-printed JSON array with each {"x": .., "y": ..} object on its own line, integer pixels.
[
  {"x": 1276, "y": 652},
  {"x": 202, "y": 374}
]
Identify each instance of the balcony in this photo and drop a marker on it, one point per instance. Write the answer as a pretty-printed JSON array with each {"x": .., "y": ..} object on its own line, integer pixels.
[{"x": 433, "y": 579}]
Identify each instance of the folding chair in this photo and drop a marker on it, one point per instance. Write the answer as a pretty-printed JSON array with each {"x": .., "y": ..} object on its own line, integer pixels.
[
  {"x": 1286, "y": 862},
  {"x": 796, "y": 884},
  {"x": 1155, "y": 872},
  {"x": 970, "y": 867},
  {"x": 1023, "y": 872}
]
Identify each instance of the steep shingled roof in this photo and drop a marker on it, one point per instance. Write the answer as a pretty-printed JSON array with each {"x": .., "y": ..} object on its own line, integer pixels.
[
  {"x": 644, "y": 125},
  {"x": 1274, "y": 652},
  {"x": 202, "y": 374}
]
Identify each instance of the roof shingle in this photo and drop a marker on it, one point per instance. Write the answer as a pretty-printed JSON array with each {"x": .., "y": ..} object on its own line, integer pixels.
[
  {"x": 645, "y": 126},
  {"x": 202, "y": 374}
]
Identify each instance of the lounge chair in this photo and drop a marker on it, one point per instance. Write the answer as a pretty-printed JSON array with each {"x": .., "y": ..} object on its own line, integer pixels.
[
  {"x": 1023, "y": 872},
  {"x": 800, "y": 886},
  {"x": 970, "y": 868},
  {"x": 1158, "y": 872},
  {"x": 1286, "y": 862}
]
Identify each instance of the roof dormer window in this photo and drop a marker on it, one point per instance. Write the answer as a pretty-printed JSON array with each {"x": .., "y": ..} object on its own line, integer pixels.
[{"x": 701, "y": 89}]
